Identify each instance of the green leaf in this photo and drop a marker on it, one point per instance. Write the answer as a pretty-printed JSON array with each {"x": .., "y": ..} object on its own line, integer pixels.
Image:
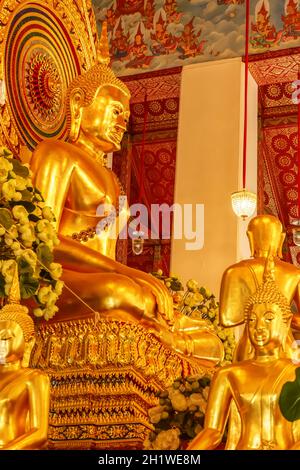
[
  {"x": 28, "y": 285},
  {"x": 33, "y": 218},
  {"x": 24, "y": 266},
  {"x": 44, "y": 254},
  {"x": 204, "y": 382},
  {"x": 29, "y": 206},
  {"x": 20, "y": 169},
  {"x": 2, "y": 286},
  {"x": 289, "y": 400},
  {"x": 6, "y": 152},
  {"x": 26, "y": 195},
  {"x": 5, "y": 218},
  {"x": 176, "y": 286}
]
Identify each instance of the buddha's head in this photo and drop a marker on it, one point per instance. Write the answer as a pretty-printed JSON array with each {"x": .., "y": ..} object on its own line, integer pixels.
[
  {"x": 98, "y": 103},
  {"x": 16, "y": 333},
  {"x": 268, "y": 314},
  {"x": 265, "y": 236}
]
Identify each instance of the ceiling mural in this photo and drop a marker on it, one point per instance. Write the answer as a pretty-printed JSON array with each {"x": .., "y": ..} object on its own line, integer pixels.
[{"x": 155, "y": 34}]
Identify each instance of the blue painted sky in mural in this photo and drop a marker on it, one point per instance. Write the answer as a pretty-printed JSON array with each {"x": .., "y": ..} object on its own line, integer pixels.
[{"x": 216, "y": 31}]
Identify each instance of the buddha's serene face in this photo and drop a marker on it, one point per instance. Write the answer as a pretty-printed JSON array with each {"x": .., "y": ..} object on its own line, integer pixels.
[
  {"x": 105, "y": 120},
  {"x": 266, "y": 326},
  {"x": 12, "y": 342}
]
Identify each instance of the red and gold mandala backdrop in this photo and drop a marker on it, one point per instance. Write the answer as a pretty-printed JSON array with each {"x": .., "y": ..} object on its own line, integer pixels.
[
  {"x": 45, "y": 44},
  {"x": 151, "y": 164}
]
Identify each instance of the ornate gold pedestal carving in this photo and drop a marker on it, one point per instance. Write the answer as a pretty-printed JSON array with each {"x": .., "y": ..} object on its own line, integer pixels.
[{"x": 104, "y": 377}]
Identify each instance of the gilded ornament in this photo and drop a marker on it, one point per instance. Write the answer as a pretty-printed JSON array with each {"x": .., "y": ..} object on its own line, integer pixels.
[{"x": 104, "y": 377}]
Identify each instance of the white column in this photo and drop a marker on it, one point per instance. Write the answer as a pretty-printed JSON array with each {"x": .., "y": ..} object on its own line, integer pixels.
[{"x": 208, "y": 167}]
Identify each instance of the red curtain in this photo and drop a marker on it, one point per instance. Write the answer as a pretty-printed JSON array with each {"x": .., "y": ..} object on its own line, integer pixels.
[
  {"x": 278, "y": 159},
  {"x": 150, "y": 163}
]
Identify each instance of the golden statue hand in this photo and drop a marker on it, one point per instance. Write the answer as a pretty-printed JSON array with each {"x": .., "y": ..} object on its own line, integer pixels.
[{"x": 163, "y": 298}]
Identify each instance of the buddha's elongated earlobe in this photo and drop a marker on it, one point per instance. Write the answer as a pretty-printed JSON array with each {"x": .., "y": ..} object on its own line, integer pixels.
[{"x": 76, "y": 102}]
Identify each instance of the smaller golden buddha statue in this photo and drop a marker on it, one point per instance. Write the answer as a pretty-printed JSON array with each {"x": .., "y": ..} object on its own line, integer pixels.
[
  {"x": 239, "y": 281},
  {"x": 24, "y": 392},
  {"x": 254, "y": 385}
]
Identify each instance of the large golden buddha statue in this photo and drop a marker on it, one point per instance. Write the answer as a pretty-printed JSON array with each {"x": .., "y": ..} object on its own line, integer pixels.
[
  {"x": 24, "y": 392},
  {"x": 239, "y": 281},
  {"x": 74, "y": 182},
  {"x": 254, "y": 385}
]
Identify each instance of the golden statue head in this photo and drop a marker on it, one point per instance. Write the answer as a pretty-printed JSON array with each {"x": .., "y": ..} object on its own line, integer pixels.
[
  {"x": 265, "y": 236},
  {"x": 16, "y": 328},
  {"x": 268, "y": 313},
  {"x": 98, "y": 103}
]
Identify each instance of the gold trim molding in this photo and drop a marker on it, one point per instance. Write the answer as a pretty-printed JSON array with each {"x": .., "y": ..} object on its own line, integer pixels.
[{"x": 104, "y": 378}]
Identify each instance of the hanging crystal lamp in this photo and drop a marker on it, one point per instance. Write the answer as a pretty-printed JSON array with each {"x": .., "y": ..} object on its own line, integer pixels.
[{"x": 243, "y": 203}]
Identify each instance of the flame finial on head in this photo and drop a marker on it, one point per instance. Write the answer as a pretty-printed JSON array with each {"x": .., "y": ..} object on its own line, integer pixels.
[
  {"x": 103, "y": 56},
  {"x": 269, "y": 271}
]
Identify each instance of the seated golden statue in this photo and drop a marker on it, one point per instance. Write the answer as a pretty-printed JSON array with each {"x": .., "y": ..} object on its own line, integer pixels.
[
  {"x": 74, "y": 182},
  {"x": 254, "y": 385},
  {"x": 24, "y": 392},
  {"x": 242, "y": 279}
]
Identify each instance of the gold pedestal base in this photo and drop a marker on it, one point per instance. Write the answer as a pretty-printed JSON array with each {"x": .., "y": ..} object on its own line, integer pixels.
[{"x": 104, "y": 378}]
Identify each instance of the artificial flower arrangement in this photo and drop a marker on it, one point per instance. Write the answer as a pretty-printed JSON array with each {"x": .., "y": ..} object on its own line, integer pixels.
[
  {"x": 27, "y": 237},
  {"x": 179, "y": 416}
]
